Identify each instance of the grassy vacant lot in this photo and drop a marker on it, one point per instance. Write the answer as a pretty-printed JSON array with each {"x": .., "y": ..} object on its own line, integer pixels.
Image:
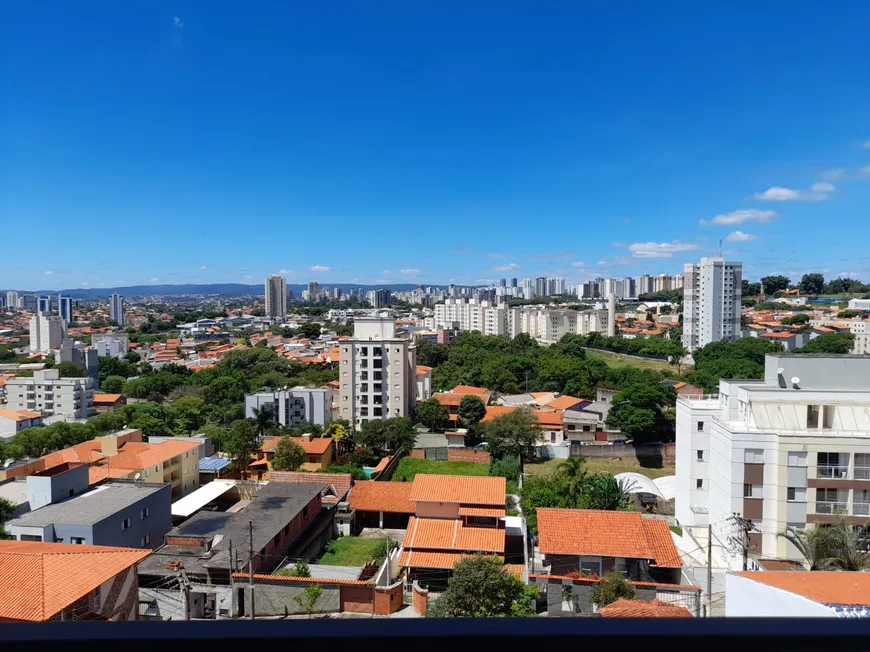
[
  {"x": 611, "y": 466},
  {"x": 411, "y": 466},
  {"x": 612, "y": 359},
  {"x": 353, "y": 551}
]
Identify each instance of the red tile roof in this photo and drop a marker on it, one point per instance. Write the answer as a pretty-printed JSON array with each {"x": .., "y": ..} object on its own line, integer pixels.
[
  {"x": 826, "y": 587},
  {"x": 385, "y": 461},
  {"x": 472, "y": 490},
  {"x": 371, "y": 496},
  {"x": 424, "y": 559},
  {"x": 451, "y": 534},
  {"x": 468, "y": 389},
  {"x": 623, "y": 608},
  {"x": 316, "y": 446},
  {"x": 565, "y": 402},
  {"x": 37, "y": 580},
  {"x": 606, "y": 534},
  {"x": 476, "y": 510},
  {"x": 342, "y": 482},
  {"x": 107, "y": 398}
]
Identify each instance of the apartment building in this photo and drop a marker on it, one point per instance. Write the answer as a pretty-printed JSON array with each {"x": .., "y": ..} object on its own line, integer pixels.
[
  {"x": 110, "y": 345},
  {"x": 12, "y": 300},
  {"x": 276, "y": 296},
  {"x": 378, "y": 372},
  {"x": 294, "y": 406},
  {"x": 791, "y": 450},
  {"x": 84, "y": 356},
  {"x": 46, "y": 332},
  {"x": 48, "y": 393},
  {"x": 711, "y": 302},
  {"x": 116, "y": 309}
]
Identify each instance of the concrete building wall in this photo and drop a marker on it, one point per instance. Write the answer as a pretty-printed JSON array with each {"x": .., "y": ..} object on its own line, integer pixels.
[{"x": 750, "y": 599}]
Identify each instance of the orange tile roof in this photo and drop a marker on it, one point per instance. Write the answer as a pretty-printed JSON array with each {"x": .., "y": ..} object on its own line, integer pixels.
[
  {"x": 37, "y": 580},
  {"x": 371, "y": 496},
  {"x": 19, "y": 415},
  {"x": 493, "y": 411},
  {"x": 658, "y": 534},
  {"x": 475, "y": 510},
  {"x": 448, "y": 399},
  {"x": 515, "y": 569},
  {"x": 624, "y": 608},
  {"x": 451, "y": 534},
  {"x": 595, "y": 580},
  {"x": 468, "y": 389},
  {"x": 564, "y": 402},
  {"x": 422, "y": 370},
  {"x": 471, "y": 490},
  {"x": 424, "y": 559},
  {"x": 548, "y": 418},
  {"x": 778, "y": 336},
  {"x": 603, "y": 533},
  {"x": 381, "y": 465},
  {"x": 106, "y": 398},
  {"x": 826, "y": 587},
  {"x": 316, "y": 446}
]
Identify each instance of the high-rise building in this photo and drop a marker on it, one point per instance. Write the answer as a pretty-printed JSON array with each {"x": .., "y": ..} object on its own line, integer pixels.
[
  {"x": 513, "y": 282},
  {"x": 711, "y": 302},
  {"x": 65, "y": 308},
  {"x": 276, "y": 296},
  {"x": 789, "y": 451},
  {"x": 379, "y": 298},
  {"x": 46, "y": 332},
  {"x": 378, "y": 373},
  {"x": 44, "y": 304},
  {"x": 541, "y": 289},
  {"x": 644, "y": 284},
  {"x": 628, "y": 288},
  {"x": 50, "y": 394},
  {"x": 502, "y": 282},
  {"x": 78, "y": 353},
  {"x": 12, "y": 300},
  {"x": 559, "y": 286},
  {"x": 116, "y": 309},
  {"x": 312, "y": 290}
]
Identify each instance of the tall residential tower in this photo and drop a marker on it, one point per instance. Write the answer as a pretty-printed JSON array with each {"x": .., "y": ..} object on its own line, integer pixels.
[
  {"x": 711, "y": 302},
  {"x": 116, "y": 309},
  {"x": 276, "y": 296}
]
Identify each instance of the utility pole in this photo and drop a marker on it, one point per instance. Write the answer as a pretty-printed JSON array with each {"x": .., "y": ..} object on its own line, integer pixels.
[
  {"x": 251, "y": 564},
  {"x": 709, "y": 570},
  {"x": 232, "y": 587}
]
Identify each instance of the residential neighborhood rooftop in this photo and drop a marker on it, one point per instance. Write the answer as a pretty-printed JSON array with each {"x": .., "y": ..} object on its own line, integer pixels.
[{"x": 474, "y": 490}]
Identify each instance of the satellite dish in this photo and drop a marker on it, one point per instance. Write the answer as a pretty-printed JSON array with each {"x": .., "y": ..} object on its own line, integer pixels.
[
  {"x": 137, "y": 476},
  {"x": 795, "y": 380},
  {"x": 780, "y": 370}
]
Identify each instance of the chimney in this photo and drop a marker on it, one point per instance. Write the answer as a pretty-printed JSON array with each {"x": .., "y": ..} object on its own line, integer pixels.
[
  {"x": 306, "y": 438},
  {"x": 611, "y": 315},
  {"x": 109, "y": 445}
]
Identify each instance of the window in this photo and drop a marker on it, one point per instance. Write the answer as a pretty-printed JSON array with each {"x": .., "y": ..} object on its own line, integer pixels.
[
  {"x": 797, "y": 458},
  {"x": 813, "y": 416},
  {"x": 377, "y": 351},
  {"x": 861, "y": 502},
  {"x": 832, "y": 501},
  {"x": 700, "y": 456},
  {"x": 700, "y": 426},
  {"x": 862, "y": 466},
  {"x": 77, "y": 540},
  {"x": 593, "y": 567},
  {"x": 364, "y": 375},
  {"x": 146, "y": 540},
  {"x": 145, "y": 513},
  {"x": 126, "y": 524},
  {"x": 752, "y": 491},
  {"x": 699, "y": 484},
  {"x": 798, "y": 527},
  {"x": 832, "y": 465},
  {"x": 796, "y": 494},
  {"x": 753, "y": 456}
]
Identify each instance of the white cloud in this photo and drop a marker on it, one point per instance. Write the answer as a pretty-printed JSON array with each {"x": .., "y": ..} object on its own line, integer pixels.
[
  {"x": 154, "y": 279},
  {"x": 386, "y": 272},
  {"x": 822, "y": 186},
  {"x": 740, "y": 216},
  {"x": 777, "y": 193},
  {"x": 319, "y": 268},
  {"x": 248, "y": 277},
  {"x": 496, "y": 255},
  {"x": 85, "y": 283},
  {"x": 48, "y": 272},
  {"x": 506, "y": 268},
  {"x": 177, "y": 22},
  {"x": 578, "y": 264},
  {"x": 409, "y": 271},
  {"x": 833, "y": 175},
  {"x": 284, "y": 272},
  {"x": 659, "y": 249},
  {"x": 203, "y": 266},
  {"x": 740, "y": 236},
  {"x": 601, "y": 263}
]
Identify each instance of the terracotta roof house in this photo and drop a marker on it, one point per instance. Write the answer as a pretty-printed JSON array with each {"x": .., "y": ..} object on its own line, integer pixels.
[
  {"x": 451, "y": 401},
  {"x": 624, "y": 608},
  {"x": 42, "y": 582},
  {"x": 109, "y": 402},
  {"x": 468, "y": 389},
  {"x": 14, "y": 421},
  {"x": 597, "y": 542},
  {"x": 806, "y": 594},
  {"x": 318, "y": 454}
]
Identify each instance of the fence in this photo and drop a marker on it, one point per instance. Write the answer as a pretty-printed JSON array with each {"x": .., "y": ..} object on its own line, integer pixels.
[
  {"x": 451, "y": 455},
  {"x": 650, "y": 455}
]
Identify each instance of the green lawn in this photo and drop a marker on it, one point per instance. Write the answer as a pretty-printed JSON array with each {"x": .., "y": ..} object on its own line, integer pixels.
[
  {"x": 612, "y": 359},
  {"x": 411, "y": 466},
  {"x": 612, "y": 467},
  {"x": 353, "y": 551}
]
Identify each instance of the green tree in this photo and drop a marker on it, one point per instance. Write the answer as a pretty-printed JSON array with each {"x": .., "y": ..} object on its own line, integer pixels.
[
  {"x": 240, "y": 443},
  {"x": 812, "y": 284},
  {"x": 611, "y": 588},
  {"x": 849, "y": 550},
  {"x": 264, "y": 417},
  {"x": 432, "y": 414},
  {"x": 797, "y": 320},
  {"x": 113, "y": 384},
  {"x": 603, "y": 491},
  {"x": 188, "y": 414},
  {"x": 430, "y": 354},
  {"x": 337, "y": 431},
  {"x": 480, "y": 587},
  {"x": 750, "y": 289},
  {"x": 310, "y": 330},
  {"x": 312, "y": 592},
  {"x": 773, "y": 284},
  {"x": 573, "y": 472},
  {"x": 109, "y": 366},
  {"x": 814, "y": 545},
  {"x": 512, "y": 434},
  {"x": 289, "y": 455},
  {"x": 386, "y": 436},
  {"x": 71, "y": 370},
  {"x": 7, "y": 509},
  {"x": 830, "y": 343},
  {"x": 637, "y": 411},
  {"x": 300, "y": 569},
  {"x": 132, "y": 356}
]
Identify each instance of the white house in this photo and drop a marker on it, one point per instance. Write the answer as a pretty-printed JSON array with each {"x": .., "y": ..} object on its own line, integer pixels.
[{"x": 797, "y": 594}]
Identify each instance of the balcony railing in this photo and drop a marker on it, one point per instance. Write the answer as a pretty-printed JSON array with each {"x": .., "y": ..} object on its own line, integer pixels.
[
  {"x": 862, "y": 473},
  {"x": 860, "y": 509},
  {"x": 827, "y": 507},
  {"x": 832, "y": 472}
]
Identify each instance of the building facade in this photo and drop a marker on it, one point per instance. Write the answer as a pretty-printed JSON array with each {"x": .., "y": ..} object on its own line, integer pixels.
[
  {"x": 65, "y": 308},
  {"x": 48, "y": 393},
  {"x": 46, "y": 332},
  {"x": 78, "y": 353},
  {"x": 110, "y": 345},
  {"x": 116, "y": 309},
  {"x": 12, "y": 301},
  {"x": 276, "y": 296},
  {"x": 711, "y": 302},
  {"x": 294, "y": 406},
  {"x": 789, "y": 451},
  {"x": 378, "y": 373}
]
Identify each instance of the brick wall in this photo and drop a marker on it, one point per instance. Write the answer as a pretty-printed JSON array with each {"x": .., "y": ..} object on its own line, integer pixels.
[
  {"x": 356, "y": 599},
  {"x": 420, "y": 599},
  {"x": 185, "y": 541},
  {"x": 467, "y": 455},
  {"x": 388, "y": 599},
  {"x": 417, "y": 453}
]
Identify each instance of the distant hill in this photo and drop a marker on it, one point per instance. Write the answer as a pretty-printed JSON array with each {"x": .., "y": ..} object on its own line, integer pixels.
[{"x": 218, "y": 289}]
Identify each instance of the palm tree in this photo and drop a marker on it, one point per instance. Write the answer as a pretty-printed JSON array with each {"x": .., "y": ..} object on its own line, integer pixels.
[
  {"x": 264, "y": 415},
  {"x": 848, "y": 541},
  {"x": 573, "y": 471},
  {"x": 815, "y": 545},
  {"x": 602, "y": 491}
]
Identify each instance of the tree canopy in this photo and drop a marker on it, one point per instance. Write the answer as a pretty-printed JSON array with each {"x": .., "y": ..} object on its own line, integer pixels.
[
  {"x": 741, "y": 359},
  {"x": 831, "y": 343},
  {"x": 380, "y": 437},
  {"x": 638, "y": 411},
  {"x": 480, "y": 587},
  {"x": 241, "y": 442},
  {"x": 512, "y": 434},
  {"x": 432, "y": 414},
  {"x": 289, "y": 455},
  {"x": 773, "y": 284},
  {"x": 812, "y": 283},
  {"x": 611, "y": 588}
]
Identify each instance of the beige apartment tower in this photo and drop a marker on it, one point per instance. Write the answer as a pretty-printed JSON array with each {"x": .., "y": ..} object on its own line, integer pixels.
[
  {"x": 276, "y": 297},
  {"x": 377, "y": 372}
]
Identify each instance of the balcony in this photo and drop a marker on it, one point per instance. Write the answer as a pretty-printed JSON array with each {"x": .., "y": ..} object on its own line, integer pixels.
[
  {"x": 828, "y": 507},
  {"x": 860, "y": 508},
  {"x": 832, "y": 471}
]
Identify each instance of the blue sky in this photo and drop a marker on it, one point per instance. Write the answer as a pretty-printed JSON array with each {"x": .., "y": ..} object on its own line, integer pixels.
[{"x": 146, "y": 141}]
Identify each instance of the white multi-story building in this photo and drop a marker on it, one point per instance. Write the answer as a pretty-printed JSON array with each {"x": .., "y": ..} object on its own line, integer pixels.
[
  {"x": 711, "y": 302},
  {"x": 276, "y": 297},
  {"x": 116, "y": 309},
  {"x": 854, "y": 304},
  {"x": 110, "y": 345},
  {"x": 377, "y": 372},
  {"x": 46, "y": 332},
  {"x": 12, "y": 300},
  {"x": 48, "y": 393},
  {"x": 295, "y": 405},
  {"x": 789, "y": 451}
]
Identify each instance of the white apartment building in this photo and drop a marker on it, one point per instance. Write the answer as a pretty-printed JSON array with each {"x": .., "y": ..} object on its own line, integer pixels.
[
  {"x": 48, "y": 393},
  {"x": 292, "y": 406},
  {"x": 46, "y": 332},
  {"x": 711, "y": 302},
  {"x": 791, "y": 450},
  {"x": 12, "y": 300},
  {"x": 110, "y": 345},
  {"x": 116, "y": 309},
  {"x": 854, "y": 304},
  {"x": 378, "y": 372},
  {"x": 276, "y": 296}
]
